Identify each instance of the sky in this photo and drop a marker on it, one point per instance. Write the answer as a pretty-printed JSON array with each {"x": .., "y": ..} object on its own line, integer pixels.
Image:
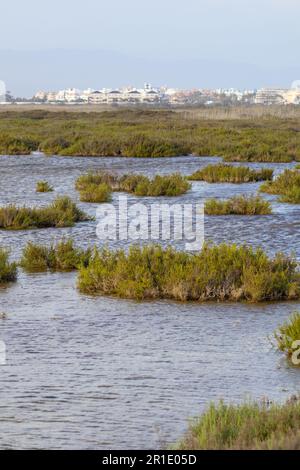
[{"x": 180, "y": 43}]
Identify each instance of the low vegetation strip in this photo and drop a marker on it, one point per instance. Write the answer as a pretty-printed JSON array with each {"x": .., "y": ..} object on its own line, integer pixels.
[
  {"x": 150, "y": 133},
  {"x": 63, "y": 256},
  {"x": 286, "y": 336},
  {"x": 96, "y": 187},
  {"x": 218, "y": 273},
  {"x": 8, "y": 270},
  {"x": 238, "y": 205},
  {"x": 222, "y": 173},
  {"x": 247, "y": 426},
  {"x": 287, "y": 185},
  {"x": 61, "y": 213}
]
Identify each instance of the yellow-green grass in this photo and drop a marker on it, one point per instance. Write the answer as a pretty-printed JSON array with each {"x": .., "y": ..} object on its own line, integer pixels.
[
  {"x": 61, "y": 213},
  {"x": 222, "y": 173},
  {"x": 153, "y": 133},
  {"x": 286, "y": 185},
  {"x": 238, "y": 205},
  {"x": 95, "y": 193},
  {"x": 139, "y": 185},
  {"x": 8, "y": 270},
  {"x": 248, "y": 426},
  {"x": 287, "y": 337},
  {"x": 217, "y": 272},
  {"x": 43, "y": 187},
  {"x": 63, "y": 256}
]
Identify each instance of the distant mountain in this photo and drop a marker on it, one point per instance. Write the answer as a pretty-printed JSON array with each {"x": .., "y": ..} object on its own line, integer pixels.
[{"x": 28, "y": 71}]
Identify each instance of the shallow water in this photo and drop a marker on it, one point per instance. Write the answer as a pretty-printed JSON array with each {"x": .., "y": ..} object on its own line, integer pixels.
[{"x": 94, "y": 373}]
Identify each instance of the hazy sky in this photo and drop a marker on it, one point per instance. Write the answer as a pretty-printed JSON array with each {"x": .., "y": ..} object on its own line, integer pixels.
[{"x": 263, "y": 35}]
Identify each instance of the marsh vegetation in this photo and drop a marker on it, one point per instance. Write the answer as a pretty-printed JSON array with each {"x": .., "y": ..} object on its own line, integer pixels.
[
  {"x": 238, "y": 205},
  {"x": 286, "y": 185},
  {"x": 43, "y": 187},
  {"x": 96, "y": 187},
  {"x": 8, "y": 270},
  {"x": 247, "y": 426},
  {"x": 152, "y": 133},
  {"x": 63, "y": 256},
  {"x": 63, "y": 212},
  {"x": 287, "y": 334},
  {"x": 218, "y": 272},
  {"x": 222, "y": 173}
]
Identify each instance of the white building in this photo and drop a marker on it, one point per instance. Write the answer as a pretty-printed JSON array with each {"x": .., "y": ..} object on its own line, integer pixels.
[
  {"x": 269, "y": 96},
  {"x": 72, "y": 95}
]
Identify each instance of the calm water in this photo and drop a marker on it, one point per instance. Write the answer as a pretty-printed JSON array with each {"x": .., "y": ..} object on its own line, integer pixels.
[{"x": 94, "y": 373}]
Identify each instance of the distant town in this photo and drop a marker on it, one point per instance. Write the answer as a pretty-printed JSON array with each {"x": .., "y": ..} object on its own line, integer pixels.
[{"x": 150, "y": 95}]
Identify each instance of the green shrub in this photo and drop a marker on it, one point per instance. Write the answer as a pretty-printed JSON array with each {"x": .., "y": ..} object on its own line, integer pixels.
[
  {"x": 139, "y": 185},
  {"x": 43, "y": 187},
  {"x": 95, "y": 193},
  {"x": 287, "y": 333},
  {"x": 238, "y": 205},
  {"x": 8, "y": 271},
  {"x": 246, "y": 426},
  {"x": 61, "y": 213},
  {"x": 62, "y": 257},
  {"x": 222, "y": 173},
  {"x": 287, "y": 185},
  {"x": 224, "y": 272}
]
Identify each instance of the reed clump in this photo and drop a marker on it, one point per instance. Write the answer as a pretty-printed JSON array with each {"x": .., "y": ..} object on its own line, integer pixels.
[
  {"x": 43, "y": 187},
  {"x": 63, "y": 256},
  {"x": 217, "y": 272},
  {"x": 63, "y": 212},
  {"x": 222, "y": 173},
  {"x": 95, "y": 193},
  {"x": 286, "y": 185},
  {"x": 8, "y": 270},
  {"x": 238, "y": 205},
  {"x": 247, "y": 426},
  {"x": 287, "y": 336},
  {"x": 139, "y": 185}
]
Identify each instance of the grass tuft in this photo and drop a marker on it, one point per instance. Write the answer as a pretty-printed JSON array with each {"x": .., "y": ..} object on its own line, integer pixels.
[
  {"x": 62, "y": 257},
  {"x": 222, "y": 173},
  {"x": 238, "y": 205},
  {"x": 287, "y": 334},
  {"x": 61, "y": 213},
  {"x": 287, "y": 185},
  {"x": 8, "y": 271},
  {"x": 90, "y": 184},
  {"x": 246, "y": 426},
  {"x": 43, "y": 187}
]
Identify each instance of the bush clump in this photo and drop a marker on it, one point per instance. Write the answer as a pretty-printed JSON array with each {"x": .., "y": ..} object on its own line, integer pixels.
[
  {"x": 63, "y": 212},
  {"x": 246, "y": 426},
  {"x": 43, "y": 187},
  {"x": 217, "y": 272},
  {"x": 61, "y": 257},
  {"x": 287, "y": 185},
  {"x": 238, "y": 205},
  {"x": 222, "y": 173},
  {"x": 95, "y": 193},
  {"x": 287, "y": 334},
  {"x": 139, "y": 185},
  {"x": 8, "y": 271}
]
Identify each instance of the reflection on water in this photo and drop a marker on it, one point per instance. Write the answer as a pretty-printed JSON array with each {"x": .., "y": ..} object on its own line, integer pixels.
[{"x": 87, "y": 372}]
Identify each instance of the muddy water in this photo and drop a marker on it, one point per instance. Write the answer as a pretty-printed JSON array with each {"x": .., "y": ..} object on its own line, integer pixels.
[{"x": 94, "y": 373}]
